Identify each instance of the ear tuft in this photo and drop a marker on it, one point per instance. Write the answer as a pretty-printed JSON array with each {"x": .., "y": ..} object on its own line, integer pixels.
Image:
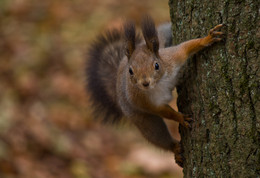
[
  {"x": 129, "y": 29},
  {"x": 150, "y": 34}
]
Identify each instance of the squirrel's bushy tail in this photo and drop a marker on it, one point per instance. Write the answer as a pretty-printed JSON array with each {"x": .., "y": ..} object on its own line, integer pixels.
[{"x": 103, "y": 61}]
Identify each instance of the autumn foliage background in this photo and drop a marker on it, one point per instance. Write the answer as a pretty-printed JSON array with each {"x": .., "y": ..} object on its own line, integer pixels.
[{"x": 46, "y": 126}]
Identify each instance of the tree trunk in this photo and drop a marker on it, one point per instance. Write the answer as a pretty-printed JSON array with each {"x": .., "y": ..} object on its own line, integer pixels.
[{"x": 220, "y": 87}]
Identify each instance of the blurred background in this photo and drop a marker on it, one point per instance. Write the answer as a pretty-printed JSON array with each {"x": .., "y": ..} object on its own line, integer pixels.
[{"x": 46, "y": 126}]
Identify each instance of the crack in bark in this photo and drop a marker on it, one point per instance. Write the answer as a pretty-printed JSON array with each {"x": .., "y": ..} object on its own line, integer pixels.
[{"x": 252, "y": 108}]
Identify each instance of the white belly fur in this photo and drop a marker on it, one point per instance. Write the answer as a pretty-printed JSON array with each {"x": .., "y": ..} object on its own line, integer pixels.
[{"x": 162, "y": 93}]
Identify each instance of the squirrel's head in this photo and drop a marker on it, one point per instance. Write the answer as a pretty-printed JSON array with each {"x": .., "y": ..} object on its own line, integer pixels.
[{"x": 145, "y": 66}]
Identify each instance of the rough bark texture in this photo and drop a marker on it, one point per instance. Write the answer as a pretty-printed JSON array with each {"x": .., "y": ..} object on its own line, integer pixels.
[{"x": 220, "y": 88}]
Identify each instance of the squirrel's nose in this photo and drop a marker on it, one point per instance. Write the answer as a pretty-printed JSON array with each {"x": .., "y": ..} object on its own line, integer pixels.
[{"x": 146, "y": 84}]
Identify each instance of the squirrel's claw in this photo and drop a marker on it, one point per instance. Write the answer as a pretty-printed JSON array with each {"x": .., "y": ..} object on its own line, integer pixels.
[
  {"x": 188, "y": 117},
  {"x": 211, "y": 31},
  {"x": 216, "y": 33}
]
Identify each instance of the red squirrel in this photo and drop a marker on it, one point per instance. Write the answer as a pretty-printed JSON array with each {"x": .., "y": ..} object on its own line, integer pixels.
[{"x": 133, "y": 78}]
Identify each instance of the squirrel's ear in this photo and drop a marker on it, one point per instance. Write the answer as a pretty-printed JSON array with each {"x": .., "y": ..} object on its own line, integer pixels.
[
  {"x": 150, "y": 34},
  {"x": 129, "y": 29}
]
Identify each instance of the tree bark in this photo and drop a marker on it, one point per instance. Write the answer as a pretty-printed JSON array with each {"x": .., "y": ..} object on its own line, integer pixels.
[{"x": 220, "y": 87}]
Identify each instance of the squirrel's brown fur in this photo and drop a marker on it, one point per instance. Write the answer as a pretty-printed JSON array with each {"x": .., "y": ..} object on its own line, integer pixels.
[{"x": 133, "y": 78}]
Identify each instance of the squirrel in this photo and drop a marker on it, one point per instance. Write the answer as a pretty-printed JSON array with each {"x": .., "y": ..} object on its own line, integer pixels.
[{"x": 133, "y": 78}]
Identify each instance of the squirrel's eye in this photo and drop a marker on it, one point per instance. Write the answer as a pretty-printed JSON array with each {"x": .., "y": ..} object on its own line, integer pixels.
[
  {"x": 156, "y": 66},
  {"x": 131, "y": 71}
]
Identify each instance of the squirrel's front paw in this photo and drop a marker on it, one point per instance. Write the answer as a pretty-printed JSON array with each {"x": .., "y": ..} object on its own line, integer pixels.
[
  {"x": 214, "y": 35},
  {"x": 186, "y": 121},
  {"x": 178, "y": 155}
]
